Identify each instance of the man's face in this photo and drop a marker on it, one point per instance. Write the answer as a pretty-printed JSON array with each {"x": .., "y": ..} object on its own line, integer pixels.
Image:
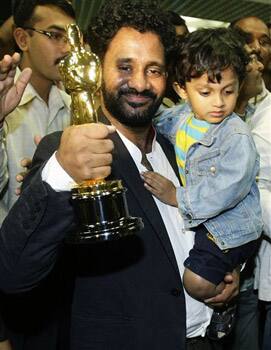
[
  {"x": 41, "y": 52},
  {"x": 252, "y": 83},
  {"x": 260, "y": 40},
  {"x": 134, "y": 77},
  {"x": 269, "y": 64}
]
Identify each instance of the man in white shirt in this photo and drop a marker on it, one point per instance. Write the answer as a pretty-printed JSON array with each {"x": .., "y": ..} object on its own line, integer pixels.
[
  {"x": 127, "y": 293},
  {"x": 258, "y": 116},
  {"x": 44, "y": 108},
  {"x": 260, "y": 123}
]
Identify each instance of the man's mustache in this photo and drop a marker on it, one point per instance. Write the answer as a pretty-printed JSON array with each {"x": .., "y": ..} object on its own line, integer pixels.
[{"x": 132, "y": 91}]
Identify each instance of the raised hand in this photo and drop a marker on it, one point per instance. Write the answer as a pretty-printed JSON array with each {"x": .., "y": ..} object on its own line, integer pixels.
[
  {"x": 11, "y": 92},
  {"x": 26, "y": 164}
]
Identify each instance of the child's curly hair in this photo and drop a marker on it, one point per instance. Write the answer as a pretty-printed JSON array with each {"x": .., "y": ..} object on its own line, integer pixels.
[{"x": 210, "y": 51}]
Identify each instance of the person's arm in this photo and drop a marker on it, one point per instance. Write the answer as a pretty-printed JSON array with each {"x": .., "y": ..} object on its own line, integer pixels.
[
  {"x": 160, "y": 187},
  {"x": 167, "y": 120},
  {"x": 32, "y": 233},
  {"x": 226, "y": 181}
]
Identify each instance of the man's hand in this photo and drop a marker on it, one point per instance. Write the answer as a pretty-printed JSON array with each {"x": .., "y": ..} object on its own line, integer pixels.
[
  {"x": 160, "y": 187},
  {"x": 10, "y": 92},
  {"x": 230, "y": 291},
  {"x": 26, "y": 164},
  {"x": 85, "y": 151}
]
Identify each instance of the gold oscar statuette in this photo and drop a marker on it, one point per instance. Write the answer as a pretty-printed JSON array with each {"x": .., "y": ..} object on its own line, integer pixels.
[{"x": 100, "y": 206}]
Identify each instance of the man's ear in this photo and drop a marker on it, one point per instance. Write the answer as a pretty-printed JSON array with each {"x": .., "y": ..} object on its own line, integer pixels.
[
  {"x": 22, "y": 38},
  {"x": 180, "y": 90}
]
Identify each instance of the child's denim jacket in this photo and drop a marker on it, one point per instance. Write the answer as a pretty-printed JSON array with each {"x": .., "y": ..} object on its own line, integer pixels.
[{"x": 221, "y": 169}]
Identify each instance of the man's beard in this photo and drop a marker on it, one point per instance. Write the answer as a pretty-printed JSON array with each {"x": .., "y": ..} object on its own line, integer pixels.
[{"x": 132, "y": 117}]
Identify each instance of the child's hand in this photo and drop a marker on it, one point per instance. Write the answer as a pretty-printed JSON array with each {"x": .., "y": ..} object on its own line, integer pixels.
[{"x": 160, "y": 187}]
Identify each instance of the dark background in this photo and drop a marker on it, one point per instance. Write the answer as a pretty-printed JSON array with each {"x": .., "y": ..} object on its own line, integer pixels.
[{"x": 221, "y": 10}]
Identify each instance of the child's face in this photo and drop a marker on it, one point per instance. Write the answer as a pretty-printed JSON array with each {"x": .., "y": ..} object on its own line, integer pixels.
[{"x": 210, "y": 101}]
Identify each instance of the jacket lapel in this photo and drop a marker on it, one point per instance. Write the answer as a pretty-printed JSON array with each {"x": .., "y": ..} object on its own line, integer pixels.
[
  {"x": 169, "y": 152},
  {"x": 124, "y": 168}
]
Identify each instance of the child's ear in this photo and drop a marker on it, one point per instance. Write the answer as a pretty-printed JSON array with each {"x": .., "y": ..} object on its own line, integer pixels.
[{"x": 180, "y": 90}]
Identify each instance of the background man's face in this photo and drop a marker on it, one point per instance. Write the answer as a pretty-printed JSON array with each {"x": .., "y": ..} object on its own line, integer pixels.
[
  {"x": 260, "y": 40},
  {"x": 40, "y": 48},
  {"x": 252, "y": 83},
  {"x": 134, "y": 77}
]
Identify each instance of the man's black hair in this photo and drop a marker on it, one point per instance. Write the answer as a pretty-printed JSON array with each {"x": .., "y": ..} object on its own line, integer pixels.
[
  {"x": 6, "y": 11},
  {"x": 211, "y": 51},
  {"x": 23, "y": 10},
  {"x": 143, "y": 16}
]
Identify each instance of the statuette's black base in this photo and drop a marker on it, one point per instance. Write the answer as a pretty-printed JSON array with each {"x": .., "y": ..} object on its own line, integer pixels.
[
  {"x": 102, "y": 213},
  {"x": 106, "y": 232}
]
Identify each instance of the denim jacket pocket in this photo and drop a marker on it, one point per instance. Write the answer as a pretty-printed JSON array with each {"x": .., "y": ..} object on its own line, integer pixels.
[{"x": 208, "y": 163}]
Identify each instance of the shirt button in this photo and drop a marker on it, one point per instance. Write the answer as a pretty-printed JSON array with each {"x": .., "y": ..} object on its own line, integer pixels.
[
  {"x": 176, "y": 292},
  {"x": 213, "y": 169},
  {"x": 186, "y": 171}
]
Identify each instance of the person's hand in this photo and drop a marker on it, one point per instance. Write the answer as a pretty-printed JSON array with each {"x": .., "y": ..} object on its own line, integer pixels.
[
  {"x": 85, "y": 151},
  {"x": 230, "y": 291},
  {"x": 160, "y": 187},
  {"x": 10, "y": 92},
  {"x": 26, "y": 164}
]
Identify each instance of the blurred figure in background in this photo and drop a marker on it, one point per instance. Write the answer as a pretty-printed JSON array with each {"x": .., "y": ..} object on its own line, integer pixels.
[
  {"x": 7, "y": 43},
  {"x": 267, "y": 72},
  {"x": 40, "y": 37},
  {"x": 171, "y": 97},
  {"x": 6, "y": 38},
  {"x": 254, "y": 106},
  {"x": 178, "y": 22},
  {"x": 259, "y": 41},
  {"x": 44, "y": 108}
]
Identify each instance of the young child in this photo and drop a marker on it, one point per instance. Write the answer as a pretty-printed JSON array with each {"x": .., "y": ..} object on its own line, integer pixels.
[{"x": 217, "y": 162}]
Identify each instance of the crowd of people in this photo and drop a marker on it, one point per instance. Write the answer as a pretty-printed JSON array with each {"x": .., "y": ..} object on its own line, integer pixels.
[{"x": 196, "y": 167}]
